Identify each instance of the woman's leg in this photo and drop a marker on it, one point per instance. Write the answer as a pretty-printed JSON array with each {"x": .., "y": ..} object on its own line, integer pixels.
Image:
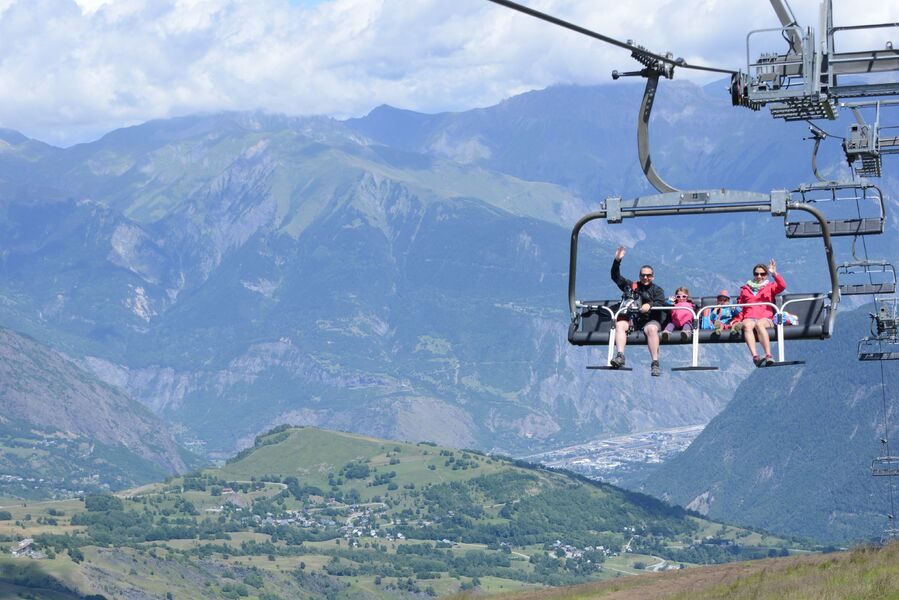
[
  {"x": 749, "y": 335},
  {"x": 761, "y": 326}
]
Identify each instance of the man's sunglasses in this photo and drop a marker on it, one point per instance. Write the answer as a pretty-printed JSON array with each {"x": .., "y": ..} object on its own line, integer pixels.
[{"x": 644, "y": 275}]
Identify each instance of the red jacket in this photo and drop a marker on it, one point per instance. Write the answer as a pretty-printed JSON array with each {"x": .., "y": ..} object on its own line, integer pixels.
[{"x": 766, "y": 294}]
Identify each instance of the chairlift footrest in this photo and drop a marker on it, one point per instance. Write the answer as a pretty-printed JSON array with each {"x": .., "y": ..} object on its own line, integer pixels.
[
  {"x": 605, "y": 368},
  {"x": 694, "y": 368},
  {"x": 785, "y": 363}
]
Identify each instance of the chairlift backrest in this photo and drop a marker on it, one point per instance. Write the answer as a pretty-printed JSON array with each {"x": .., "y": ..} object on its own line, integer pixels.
[{"x": 593, "y": 325}]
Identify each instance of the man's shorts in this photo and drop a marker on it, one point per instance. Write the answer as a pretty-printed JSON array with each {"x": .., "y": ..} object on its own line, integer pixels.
[{"x": 642, "y": 327}]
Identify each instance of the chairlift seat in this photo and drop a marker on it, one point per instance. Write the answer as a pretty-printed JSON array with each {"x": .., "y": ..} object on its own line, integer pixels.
[
  {"x": 880, "y": 275},
  {"x": 593, "y": 327}
]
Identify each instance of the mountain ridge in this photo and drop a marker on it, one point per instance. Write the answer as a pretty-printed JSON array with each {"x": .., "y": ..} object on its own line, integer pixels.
[{"x": 236, "y": 272}]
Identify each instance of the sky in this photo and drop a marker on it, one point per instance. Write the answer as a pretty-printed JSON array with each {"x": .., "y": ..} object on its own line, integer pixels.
[{"x": 72, "y": 70}]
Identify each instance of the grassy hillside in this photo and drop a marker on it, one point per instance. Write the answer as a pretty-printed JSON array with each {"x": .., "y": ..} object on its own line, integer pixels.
[
  {"x": 311, "y": 513},
  {"x": 866, "y": 572}
]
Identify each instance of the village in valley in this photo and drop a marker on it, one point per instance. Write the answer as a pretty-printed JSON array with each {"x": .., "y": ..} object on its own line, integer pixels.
[{"x": 614, "y": 460}]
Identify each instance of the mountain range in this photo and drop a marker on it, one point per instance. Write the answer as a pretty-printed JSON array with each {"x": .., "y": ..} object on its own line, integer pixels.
[{"x": 400, "y": 275}]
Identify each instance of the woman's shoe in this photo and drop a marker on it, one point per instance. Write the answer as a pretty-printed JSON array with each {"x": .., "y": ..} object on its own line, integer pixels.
[
  {"x": 759, "y": 361},
  {"x": 769, "y": 360}
]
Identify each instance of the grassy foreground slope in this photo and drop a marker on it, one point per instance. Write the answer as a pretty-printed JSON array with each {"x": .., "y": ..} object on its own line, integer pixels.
[
  {"x": 867, "y": 572},
  {"x": 315, "y": 514}
]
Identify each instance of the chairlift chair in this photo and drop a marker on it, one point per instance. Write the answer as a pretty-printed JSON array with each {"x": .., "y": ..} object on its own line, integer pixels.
[
  {"x": 863, "y": 277},
  {"x": 855, "y": 208},
  {"x": 592, "y": 320},
  {"x": 870, "y": 349}
]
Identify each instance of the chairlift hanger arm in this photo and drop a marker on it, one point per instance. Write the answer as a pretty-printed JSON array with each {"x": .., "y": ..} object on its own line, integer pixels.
[
  {"x": 789, "y": 23},
  {"x": 636, "y": 51}
]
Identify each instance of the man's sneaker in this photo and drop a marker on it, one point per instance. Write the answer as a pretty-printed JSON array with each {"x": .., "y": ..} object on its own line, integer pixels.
[
  {"x": 654, "y": 369},
  {"x": 759, "y": 361},
  {"x": 618, "y": 361}
]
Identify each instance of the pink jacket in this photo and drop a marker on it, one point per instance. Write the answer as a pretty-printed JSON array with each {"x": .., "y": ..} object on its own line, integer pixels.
[
  {"x": 766, "y": 294},
  {"x": 682, "y": 317}
]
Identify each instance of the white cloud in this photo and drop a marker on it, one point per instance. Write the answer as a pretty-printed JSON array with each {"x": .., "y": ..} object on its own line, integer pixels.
[{"x": 74, "y": 69}]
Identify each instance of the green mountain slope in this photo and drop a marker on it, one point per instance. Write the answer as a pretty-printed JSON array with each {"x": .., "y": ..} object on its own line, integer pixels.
[{"x": 317, "y": 514}]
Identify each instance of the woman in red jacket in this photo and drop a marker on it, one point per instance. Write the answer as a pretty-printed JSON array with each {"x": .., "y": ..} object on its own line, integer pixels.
[{"x": 757, "y": 319}]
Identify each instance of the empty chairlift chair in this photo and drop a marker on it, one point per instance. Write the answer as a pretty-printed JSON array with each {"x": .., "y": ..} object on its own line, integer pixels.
[
  {"x": 850, "y": 209},
  {"x": 865, "y": 277}
]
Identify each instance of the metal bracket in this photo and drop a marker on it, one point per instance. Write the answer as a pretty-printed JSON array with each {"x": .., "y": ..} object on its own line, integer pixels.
[
  {"x": 613, "y": 209},
  {"x": 779, "y": 202}
]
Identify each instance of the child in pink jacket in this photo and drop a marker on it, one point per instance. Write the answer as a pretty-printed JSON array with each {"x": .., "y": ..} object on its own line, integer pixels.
[{"x": 681, "y": 320}]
